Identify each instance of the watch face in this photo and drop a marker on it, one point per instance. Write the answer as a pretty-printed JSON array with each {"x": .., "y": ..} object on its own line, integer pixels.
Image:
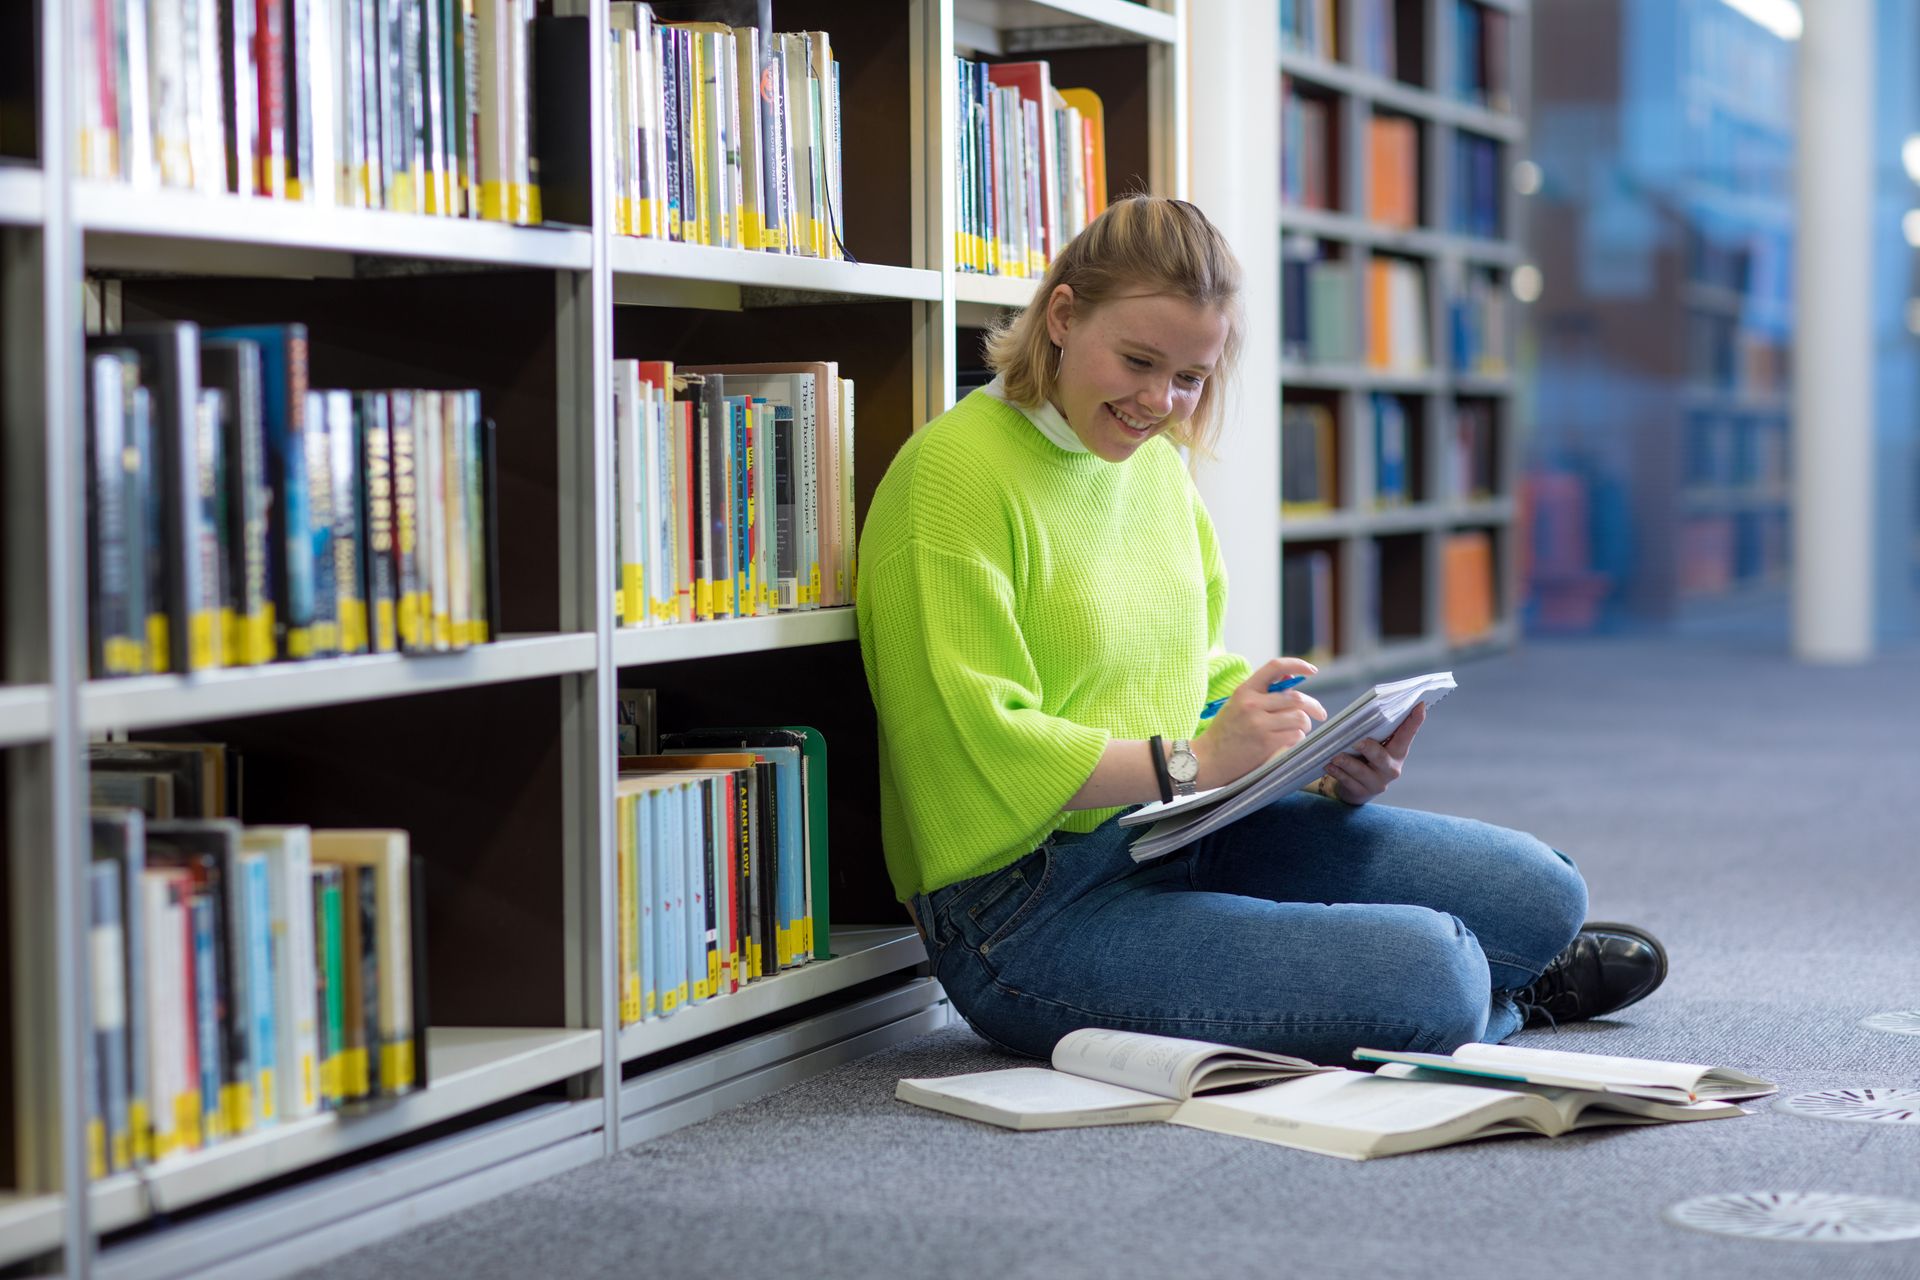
[{"x": 1183, "y": 766}]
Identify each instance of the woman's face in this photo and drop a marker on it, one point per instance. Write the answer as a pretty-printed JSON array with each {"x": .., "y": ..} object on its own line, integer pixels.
[{"x": 1132, "y": 368}]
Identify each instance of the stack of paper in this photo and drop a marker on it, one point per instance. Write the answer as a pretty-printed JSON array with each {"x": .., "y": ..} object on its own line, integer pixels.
[{"x": 1376, "y": 713}]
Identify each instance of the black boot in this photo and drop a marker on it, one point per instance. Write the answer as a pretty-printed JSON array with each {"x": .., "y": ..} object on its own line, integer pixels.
[{"x": 1606, "y": 967}]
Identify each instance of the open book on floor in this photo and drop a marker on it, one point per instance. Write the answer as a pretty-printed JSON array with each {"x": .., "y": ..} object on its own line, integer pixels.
[
  {"x": 1102, "y": 1077},
  {"x": 1121, "y": 1078},
  {"x": 1634, "y": 1077},
  {"x": 1376, "y": 713}
]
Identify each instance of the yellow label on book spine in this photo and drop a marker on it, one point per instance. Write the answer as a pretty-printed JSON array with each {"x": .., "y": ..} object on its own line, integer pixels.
[
  {"x": 125, "y": 657},
  {"x": 233, "y": 639},
  {"x": 299, "y": 642},
  {"x": 308, "y": 1098},
  {"x": 669, "y": 1000},
  {"x": 96, "y": 1149},
  {"x": 259, "y": 642},
  {"x": 753, "y": 229},
  {"x": 141, "y": 1122},
  {"x": 159, "y": 644},
  {"x": 236, "y": 1108},
  {"x": 353, "y": 1073},
  {"x": 386, "y": 636},
  {"x": 330, "y": 1077},
  {"x": 723, "y": 598},
  {"x": 266, "y": 1093},
  {"x": 813, "y": 584},
  {"x": 713, "y": 973},
  {"x": 409, "y": 620},
  {"x": 186, "y": 1119},
  {"x": 442, "y": 631},
  {"x": 396, "y": 1066},
  {"x": 353, "y": 626},
  {"x": 324, "y": 637},
  {"x": 630, "y": 999},
  {"x": 633, "y": 590}
]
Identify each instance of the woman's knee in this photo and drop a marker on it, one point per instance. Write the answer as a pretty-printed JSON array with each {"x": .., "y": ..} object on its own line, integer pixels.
[{"x": 1443, "y": 990}]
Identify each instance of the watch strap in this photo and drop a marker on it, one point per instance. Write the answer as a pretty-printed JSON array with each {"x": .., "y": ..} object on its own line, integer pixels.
[{"x": 1160, "y": 773}]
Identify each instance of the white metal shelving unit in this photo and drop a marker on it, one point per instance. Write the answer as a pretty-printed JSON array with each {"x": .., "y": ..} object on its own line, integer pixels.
[{"x": 505, "y": 1105}]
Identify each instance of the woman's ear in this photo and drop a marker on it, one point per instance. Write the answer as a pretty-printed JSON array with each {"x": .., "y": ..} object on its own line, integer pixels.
[{"x": 1059, "y": 313}]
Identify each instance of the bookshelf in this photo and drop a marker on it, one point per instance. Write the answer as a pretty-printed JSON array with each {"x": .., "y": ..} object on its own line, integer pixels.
[
  {"x": 1679, "y": 513},
  {"x": 1399, "y": 237},
  {"x": 498, "y": 759}
]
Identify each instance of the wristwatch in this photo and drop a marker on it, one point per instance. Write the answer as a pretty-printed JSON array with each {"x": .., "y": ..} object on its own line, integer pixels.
[{"x": 1183, "y": 767}]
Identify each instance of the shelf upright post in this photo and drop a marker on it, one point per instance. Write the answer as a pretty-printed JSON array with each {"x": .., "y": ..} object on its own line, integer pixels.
[
  {"x": 584, "y": 319},
  {"x": 933, "y": 101},
  {"x": 1167, "y": 137},
  {"x": 41, "y": 428}
]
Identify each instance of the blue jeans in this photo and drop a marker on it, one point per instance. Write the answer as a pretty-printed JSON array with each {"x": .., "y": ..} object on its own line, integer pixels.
[{"x": 1307, "y": 927}]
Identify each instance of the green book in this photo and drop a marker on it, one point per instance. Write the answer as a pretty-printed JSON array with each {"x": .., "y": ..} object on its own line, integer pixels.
[
  {"x": 328, "y": 963},
  {"x": 814, "y": 751}
]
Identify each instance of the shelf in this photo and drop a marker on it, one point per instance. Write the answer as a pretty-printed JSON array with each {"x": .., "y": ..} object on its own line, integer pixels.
[
  {"x": 21, "y": 203},
  {"x": 1420, "y": 241},
  {"x": 143, "y": 701},
  {"x": 1483, "y": 384},
  {"x": 187, "y": 232},
  {"x": 1732, "y": 499},
  {"x": 639, "y": 646},
  {"x": 664, "y": 273},
  {"x": 1718, "y": 400},
  {"x": 993, "y": 291},
  {"x": 26, "y": 714},
  {"x": 1482, "y": 512},
  {"x": 29, "y": 1225},
  {"x": 1344, "y": 377},
  {"x": 859, "y": 954},
  {"x": 999, "y": 27},
  {"x": 471, "y": 1068},
  {"x": 1396, "y": 96}
]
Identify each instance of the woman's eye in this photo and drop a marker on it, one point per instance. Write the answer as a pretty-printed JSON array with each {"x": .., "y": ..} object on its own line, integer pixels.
[
  {"x": 1191, "y": 382},
  {"x": 1135, "y": 362}
]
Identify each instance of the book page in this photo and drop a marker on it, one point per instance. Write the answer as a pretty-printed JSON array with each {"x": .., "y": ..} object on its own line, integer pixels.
[
  {"x": 1163, "y": 1065},
  {"x": 1688, "y": 1077},
  {"x": 1025, "y": 1091},
  {"x": 1356, "y": 1114},
  {"x": 1583, "y": 1108}
]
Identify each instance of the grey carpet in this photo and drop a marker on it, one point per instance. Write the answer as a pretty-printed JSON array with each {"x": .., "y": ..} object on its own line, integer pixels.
[{"x": 1759, "y": 816}]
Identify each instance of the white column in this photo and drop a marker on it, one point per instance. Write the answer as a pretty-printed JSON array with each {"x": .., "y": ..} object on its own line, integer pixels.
[
  {"x": 1234, "y": 150},
  {"x": 1833, "y": 422}
]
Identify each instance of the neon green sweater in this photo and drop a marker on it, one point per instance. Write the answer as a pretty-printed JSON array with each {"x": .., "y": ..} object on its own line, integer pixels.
[{"x": 1020, "y": 605}]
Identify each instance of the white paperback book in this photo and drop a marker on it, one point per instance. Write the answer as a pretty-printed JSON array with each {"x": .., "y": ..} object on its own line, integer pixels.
[
  {"x": 1376, "y": 713},
  {"x": 1101, "y": 1077},
  {"x": 1681, "y": 1082}
]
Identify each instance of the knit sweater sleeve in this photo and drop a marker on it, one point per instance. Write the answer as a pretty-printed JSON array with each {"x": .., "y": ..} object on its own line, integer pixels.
[{"x": 976, "y": 760}]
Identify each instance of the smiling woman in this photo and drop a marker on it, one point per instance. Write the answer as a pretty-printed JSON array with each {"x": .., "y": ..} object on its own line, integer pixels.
[{"x": 1040, "y": 599}]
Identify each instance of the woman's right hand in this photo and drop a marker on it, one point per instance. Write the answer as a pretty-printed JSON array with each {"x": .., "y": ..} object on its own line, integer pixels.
[{"x": 1256, "y": 725}]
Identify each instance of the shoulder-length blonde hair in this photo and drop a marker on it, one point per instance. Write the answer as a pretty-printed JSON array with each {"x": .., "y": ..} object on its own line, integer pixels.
[{"x": 1140, "y": 245}]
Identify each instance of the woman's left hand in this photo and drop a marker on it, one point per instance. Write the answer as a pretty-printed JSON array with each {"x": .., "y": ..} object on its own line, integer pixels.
[{"x": 1372, "y": 766}]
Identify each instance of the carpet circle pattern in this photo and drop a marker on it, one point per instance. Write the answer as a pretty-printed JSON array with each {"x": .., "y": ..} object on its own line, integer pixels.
[
  {"x": 1808, "y": 1217},
  {"x": 1901, "y": 1022},
  {"x": 1864, "y": 1105}
]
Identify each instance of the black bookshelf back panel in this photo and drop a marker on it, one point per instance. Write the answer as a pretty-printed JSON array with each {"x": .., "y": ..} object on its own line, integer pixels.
[{"x": 474, "y": 776}]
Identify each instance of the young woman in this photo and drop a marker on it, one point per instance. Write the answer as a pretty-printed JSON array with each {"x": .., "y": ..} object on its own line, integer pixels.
[{"x": 1040, "y": 605}]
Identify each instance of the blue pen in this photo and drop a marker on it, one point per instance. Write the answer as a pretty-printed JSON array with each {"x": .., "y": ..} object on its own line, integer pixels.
[{"x": 1212, "y": 709}]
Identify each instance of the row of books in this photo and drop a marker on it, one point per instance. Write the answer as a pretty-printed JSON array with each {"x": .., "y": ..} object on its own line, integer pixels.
[
  {"x": 1729, "y": 451},
  {"x": 1396, "y": 316},
  {"x": 1032, "y": 164},
  {"x": 1483, "y": 55},
  {"x": 245, "y": 977},
  {"x": 1306, "y": 149},
  {"x": 1393, "y": 171},
  {"x": 1309, "y": 26},
  {"x": 1475, "y": 196},
  {"x": 1468, "y": 592},
  {"x": 721, "y": 870},
  {"x": 1383, "y": 46},
  {"x": 1309, "y": 454},
  {"x": 420, "y": 106},
  {"x": 1316, "y": 302},
  {"x": 1479, "y": 318},
  {"x": 733, "y": 490},
  {"x": 1728, "y": 355},
  {"x": 1307, "y": 612},
  {"x": 237, "y": 516},
  {"x": 1715, "y": 554},
  {"x": 719, "y": 141}
]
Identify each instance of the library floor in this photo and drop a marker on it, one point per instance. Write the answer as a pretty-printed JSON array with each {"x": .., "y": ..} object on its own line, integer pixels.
[{"x": 1758, "y": 816}]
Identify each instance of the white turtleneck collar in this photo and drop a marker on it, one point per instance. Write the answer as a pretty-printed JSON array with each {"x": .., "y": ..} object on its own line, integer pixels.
[{"x": 1050, "y": 421}]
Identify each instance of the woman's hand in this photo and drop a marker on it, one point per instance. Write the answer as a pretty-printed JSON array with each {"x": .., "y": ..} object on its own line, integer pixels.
[
  {"x": 1256, "y": 725},
  {"x": 1371, "y": 767}
]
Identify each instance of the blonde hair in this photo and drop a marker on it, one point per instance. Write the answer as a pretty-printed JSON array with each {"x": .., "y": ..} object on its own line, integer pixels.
[{"x": 1141, "y": 245}]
